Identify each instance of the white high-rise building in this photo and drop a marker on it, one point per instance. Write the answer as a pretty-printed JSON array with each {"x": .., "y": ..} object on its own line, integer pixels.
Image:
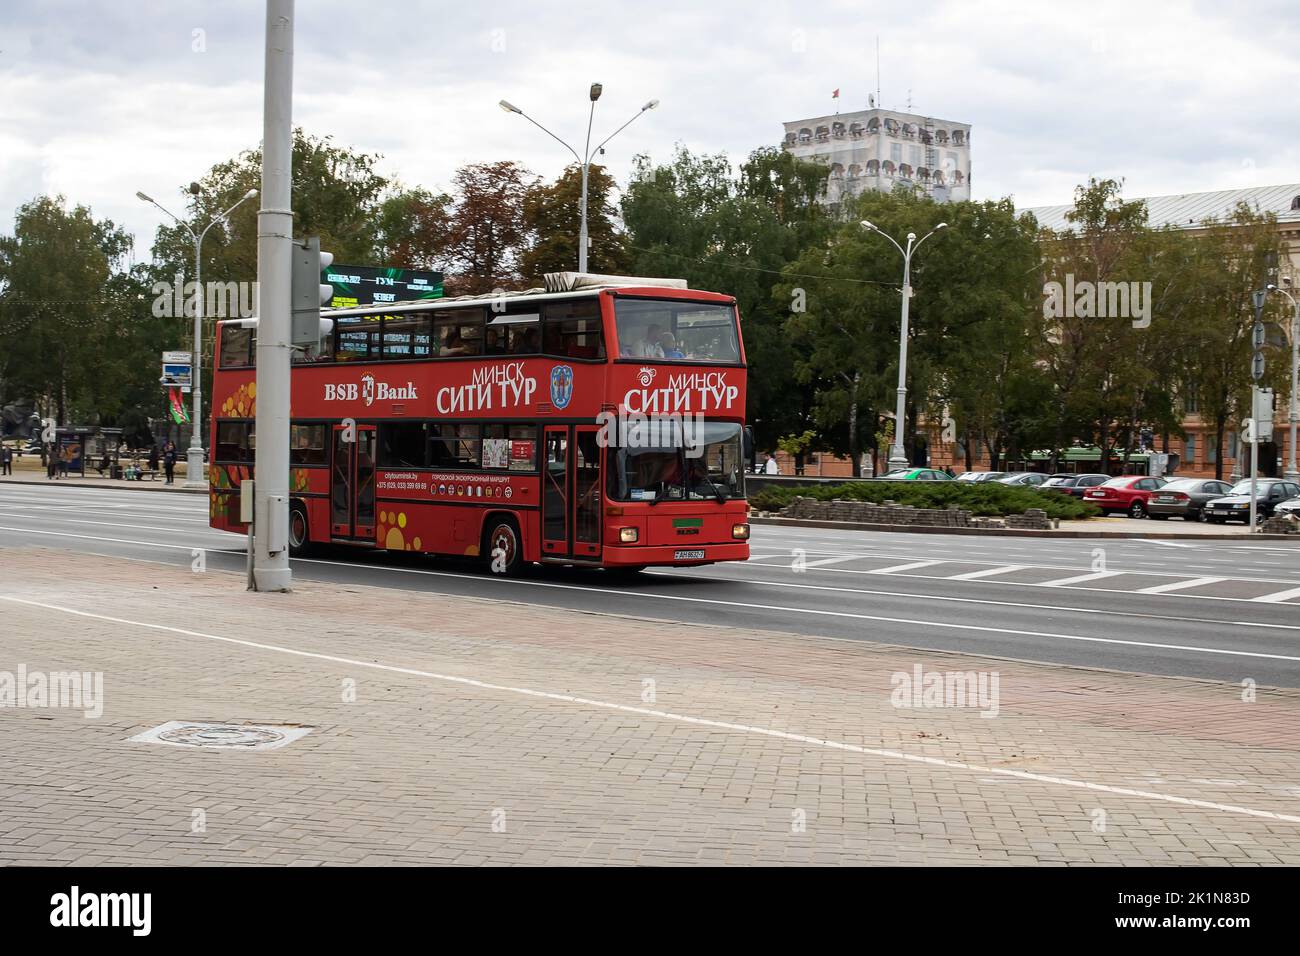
[{"x": 879, "y": 149}]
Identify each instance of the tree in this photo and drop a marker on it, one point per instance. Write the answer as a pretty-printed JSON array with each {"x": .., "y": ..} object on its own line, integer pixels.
[
  {"x": 412, "y": 230},
  {"x": 75, "y": 324},
  {"x": 553, "y": 217},
  {"x": 487, "y": 231},
  {"x": 970, "y": 323},
  {"x": 693, "y": 219}
]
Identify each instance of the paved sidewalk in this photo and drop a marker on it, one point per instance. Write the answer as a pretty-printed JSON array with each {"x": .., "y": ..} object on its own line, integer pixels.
[
  {"x": 469, "y": 731},
  {"x": 28, "y": 471}
]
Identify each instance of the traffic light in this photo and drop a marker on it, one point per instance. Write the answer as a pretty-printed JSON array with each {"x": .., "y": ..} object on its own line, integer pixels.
[{"x": 308, "y": 292}]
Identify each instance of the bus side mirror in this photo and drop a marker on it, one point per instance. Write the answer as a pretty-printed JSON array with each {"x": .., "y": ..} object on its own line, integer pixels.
[{"x": 747, "y": 446}]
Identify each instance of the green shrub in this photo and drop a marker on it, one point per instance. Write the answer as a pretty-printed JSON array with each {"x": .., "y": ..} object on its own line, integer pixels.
[{"x": 984, "y": 499}]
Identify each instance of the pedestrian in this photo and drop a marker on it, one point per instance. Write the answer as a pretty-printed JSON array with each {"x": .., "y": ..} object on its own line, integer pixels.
[
  {"x": 51, "y": 464},
  {"x": 153, "y": 461},
  {"x": 770, "y": 467},
  {"x": 6, "y": 460},
  {"x": 169, "y": 460}
]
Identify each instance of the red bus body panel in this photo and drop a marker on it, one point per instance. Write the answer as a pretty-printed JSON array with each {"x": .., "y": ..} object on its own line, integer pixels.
[{"x": 444, "y": 511}]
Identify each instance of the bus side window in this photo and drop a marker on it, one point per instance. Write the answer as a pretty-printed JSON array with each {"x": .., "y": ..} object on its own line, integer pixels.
[
  {"x": 306, "y": 445},
  {"x": 458, "y": 332},
  {"x": 237, "y": 346},
  {"x": 573, "y": 329}
]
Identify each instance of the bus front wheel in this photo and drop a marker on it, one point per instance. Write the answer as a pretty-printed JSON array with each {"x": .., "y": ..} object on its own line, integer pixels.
[
  {"x": 502, "y": 547},
  {"x": 299, "y": 531}
]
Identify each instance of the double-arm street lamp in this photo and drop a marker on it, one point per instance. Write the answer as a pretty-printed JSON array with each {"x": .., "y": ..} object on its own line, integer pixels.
[
  {"x": 897, "y": 455},
  {"x": 1292, "y": 472},
  {"x": 194, "y": 456},
  {"x": 587, "y": 152}
]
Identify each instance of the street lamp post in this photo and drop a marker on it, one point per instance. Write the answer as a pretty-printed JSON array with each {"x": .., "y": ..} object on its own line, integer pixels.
[
  {"x": 1292, "y": 473},
  {"x": 194, "y": 456},
  {"x": 585, "y": 164},
  {"x": 897, "y": 454}
]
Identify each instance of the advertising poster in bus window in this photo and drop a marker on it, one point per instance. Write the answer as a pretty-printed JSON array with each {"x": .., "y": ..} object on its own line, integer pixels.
[
  {"x": 521, "y": 454},
  {"x": 496, "y": 452}
]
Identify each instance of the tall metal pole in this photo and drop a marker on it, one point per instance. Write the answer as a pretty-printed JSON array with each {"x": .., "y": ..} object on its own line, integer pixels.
[
  {"x": 274, "y": 261},
  {"x": 897, "y": 454},
  {"x": 194, "y": 455},
  {"x": 1292, "y": 472},
  {"x": 1254, "y": 453},
  {"x": 586, "y": 167}
]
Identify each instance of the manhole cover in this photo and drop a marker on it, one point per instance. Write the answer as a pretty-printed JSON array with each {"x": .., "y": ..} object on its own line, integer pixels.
[{"x": 187, "y": 733}]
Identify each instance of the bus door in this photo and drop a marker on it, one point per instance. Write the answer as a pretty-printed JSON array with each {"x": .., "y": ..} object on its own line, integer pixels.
[
  {"x": 571, "y": 512},
  {"x": 352, "y": 483},
  {"x": 586, "y": 492},
  {"x": 555, "y": 491}
]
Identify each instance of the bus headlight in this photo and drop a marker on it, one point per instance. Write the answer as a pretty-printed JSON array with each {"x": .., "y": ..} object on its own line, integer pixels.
[
  {"x": 628, "y": 535},
  {"x": 740, "y": 532}
]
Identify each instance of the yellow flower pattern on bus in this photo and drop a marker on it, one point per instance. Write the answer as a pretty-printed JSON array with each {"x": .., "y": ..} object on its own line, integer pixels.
[{"x": 392, "y": 526}]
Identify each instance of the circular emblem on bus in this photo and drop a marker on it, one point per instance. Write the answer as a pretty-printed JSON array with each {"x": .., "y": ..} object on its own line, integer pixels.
[
  {"x": 561, "y": 386},
  {"x": 645, "y": 376},
  {"x": 509, "y": 492},
  {"x": 442, "y": 489}
]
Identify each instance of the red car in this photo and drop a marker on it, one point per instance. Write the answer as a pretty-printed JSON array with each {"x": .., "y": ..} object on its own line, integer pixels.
[{"x": 1128, "y": 493}]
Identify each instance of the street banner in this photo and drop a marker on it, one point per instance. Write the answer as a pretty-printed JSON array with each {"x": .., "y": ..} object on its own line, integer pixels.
[{"x": 177, "y": 407}]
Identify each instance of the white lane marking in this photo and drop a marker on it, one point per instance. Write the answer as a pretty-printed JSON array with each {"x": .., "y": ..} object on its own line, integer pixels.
[
  {"x": 234, "y": 542},
  {"x": 1278, "y": 596},
  {"x": 117, "y": 524},
  {"x": 1079, "y": 578},
  {"x": 1025, "y": 584},
  {"x": 987, "y": 572},
  {"x": 1054, "y": 567},
  {"x": 1178, "y": 585},
  {"x": 1075, "y": 609},
  {"x": 899, "y": 755},
  {"x": 233, "y": 539},
  {"x": 745, "y": 605},
  {"x": 1165, "y": 544},
  {"x": 898, "y": 567},
  {"x": 839, "y": 560}
]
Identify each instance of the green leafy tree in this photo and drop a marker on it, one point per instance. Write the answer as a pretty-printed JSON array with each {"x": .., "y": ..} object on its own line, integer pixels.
[
  {"x": 693, "y": 218},
  {"x": 74, "y": 322},
  {"x": 553, "y": 217}
]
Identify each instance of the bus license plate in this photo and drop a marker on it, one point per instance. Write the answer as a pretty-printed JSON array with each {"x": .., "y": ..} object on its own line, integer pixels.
[{"x": 688, "y": 555}]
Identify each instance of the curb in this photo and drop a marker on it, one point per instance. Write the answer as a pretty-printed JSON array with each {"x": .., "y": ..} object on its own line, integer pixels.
[
  {"x": 1013, "y": 532},
  {"x": 109, "y": 485}
]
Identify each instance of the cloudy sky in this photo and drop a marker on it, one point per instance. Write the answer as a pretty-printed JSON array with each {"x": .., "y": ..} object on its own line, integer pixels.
[{"x": 103, "y": 98}]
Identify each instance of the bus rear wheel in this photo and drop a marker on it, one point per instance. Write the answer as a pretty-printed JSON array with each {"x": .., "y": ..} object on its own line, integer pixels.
[
  {"x": 502, "y": 548},
  {"x": 299, "y": 531}
]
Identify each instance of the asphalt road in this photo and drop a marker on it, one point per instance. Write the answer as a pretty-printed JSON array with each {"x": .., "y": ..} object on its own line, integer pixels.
[{"x": 1212, "y": 609}]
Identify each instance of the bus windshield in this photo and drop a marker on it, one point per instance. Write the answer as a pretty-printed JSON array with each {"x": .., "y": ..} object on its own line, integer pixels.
[
  {"x": 650, "y": 472},
  {"x": 673, "y": 330}
]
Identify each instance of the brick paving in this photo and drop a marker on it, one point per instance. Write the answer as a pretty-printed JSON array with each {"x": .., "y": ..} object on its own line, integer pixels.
[{"x": 436, "y": 767}]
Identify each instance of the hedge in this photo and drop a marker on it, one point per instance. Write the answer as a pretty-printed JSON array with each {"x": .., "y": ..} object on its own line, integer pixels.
[{"x": 982, "y": 499}]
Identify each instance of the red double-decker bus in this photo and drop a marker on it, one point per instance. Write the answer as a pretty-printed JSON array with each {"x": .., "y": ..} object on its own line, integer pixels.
[{"x": 597, "y": 422}]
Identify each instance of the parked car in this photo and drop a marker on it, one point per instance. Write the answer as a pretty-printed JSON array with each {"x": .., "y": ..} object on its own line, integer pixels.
[
  {"x": 1235, "y": 506},
  {"x": 981, "y": 475},
  {"x": 916, "y": 474},
  {"x": 1075, "y": 485},
  {"x": 1128, "y": 493},
  {"x": 1186, "y": 498},
  {"x": 1027, "y": 479},
  {"x": 1289, "y": 507}
]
